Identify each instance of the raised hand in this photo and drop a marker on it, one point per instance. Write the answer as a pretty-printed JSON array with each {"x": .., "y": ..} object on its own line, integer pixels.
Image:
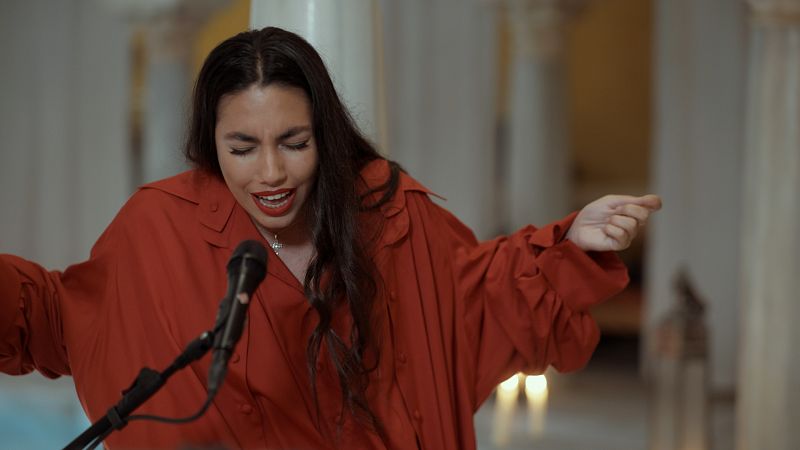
[{"x": 612, "y": 222}]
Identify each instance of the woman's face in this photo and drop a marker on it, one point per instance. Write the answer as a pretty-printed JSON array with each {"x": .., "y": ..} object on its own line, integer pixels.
[{"x": 266, "y": 150}]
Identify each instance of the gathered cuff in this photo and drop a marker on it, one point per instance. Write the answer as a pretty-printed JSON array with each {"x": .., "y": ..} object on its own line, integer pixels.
[
  {"x": 10, "y": 288},
  {"x": 580, "y": 278},
  {"x": 551, "y": 234}
]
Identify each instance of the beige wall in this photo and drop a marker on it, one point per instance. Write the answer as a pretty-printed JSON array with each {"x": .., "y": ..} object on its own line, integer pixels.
[
  {"x": 609, "y": 96},
  {"x": 222, "y": 25}
]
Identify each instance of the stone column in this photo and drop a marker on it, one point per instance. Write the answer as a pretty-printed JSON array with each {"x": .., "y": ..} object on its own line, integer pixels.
[
  {"x": 347, "y": 34},
  {"x": 441, "y": 73},
  {"x": 169, "y": 29},
  {"x": 696, "y": 167},
  {"x": 537, "y": 163},
  {"x": 769, "y": 381},
  {"x": 167, "y": 89}
]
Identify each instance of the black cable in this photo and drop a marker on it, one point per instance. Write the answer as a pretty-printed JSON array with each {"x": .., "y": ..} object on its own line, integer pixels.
[{"x": 188, "y": 419}]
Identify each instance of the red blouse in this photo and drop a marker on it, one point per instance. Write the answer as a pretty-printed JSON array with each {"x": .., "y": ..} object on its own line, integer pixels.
[{"x": 454, "y": 318}]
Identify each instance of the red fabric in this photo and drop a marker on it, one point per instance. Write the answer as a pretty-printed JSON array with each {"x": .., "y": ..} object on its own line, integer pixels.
[{"x": 454, "y": 317}]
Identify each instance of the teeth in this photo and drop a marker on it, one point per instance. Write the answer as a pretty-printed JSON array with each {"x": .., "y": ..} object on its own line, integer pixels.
[
  {"x": 272, "y": 198},
  {"x": 269, "y": 200},
  {"x": 272, "y": 205}
]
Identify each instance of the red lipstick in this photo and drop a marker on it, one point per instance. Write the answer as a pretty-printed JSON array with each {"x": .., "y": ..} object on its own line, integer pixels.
[{"x": 274, "y": 203}]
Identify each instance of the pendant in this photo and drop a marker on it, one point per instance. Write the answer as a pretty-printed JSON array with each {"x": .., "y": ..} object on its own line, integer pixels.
[{"x": 275, "y": 244}]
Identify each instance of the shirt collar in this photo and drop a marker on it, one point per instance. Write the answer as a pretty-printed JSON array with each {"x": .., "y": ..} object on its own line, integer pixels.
[{"x": 213, "y": 198}]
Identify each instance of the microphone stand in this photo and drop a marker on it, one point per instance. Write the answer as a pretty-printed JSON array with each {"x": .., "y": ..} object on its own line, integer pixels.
[{"x": 146, "y": 384}]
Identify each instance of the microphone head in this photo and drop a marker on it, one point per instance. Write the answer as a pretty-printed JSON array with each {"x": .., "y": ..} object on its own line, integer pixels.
[
  {"x": 249, "y": 261},
  {"x": 251, "y": 249}
]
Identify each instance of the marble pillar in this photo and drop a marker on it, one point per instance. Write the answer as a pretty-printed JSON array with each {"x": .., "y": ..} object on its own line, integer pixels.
[
  {"x": 537, "y": 162},
  {"x": 169, "y": 31},
  {"x": 769, "y": 369},
  {"x": 699, "y": 66},
  {"x": 167, "y": 89},
  {"x": 441, "y": 83}
]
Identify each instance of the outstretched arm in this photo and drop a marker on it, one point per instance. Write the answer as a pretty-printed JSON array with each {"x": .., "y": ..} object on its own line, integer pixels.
[{"x": 30, "y": 319}]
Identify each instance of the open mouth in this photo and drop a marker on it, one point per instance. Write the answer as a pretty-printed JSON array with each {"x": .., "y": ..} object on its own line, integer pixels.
[{"x": 274, "y": 203}]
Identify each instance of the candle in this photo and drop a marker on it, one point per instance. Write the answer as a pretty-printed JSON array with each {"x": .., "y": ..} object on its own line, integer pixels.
[
  {"x": 536, "y": 393},
  {"x": 505, "y": 403}
]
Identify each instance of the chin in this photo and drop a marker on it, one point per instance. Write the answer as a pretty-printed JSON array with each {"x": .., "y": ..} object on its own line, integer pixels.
[{"x": 277, "y": 224}]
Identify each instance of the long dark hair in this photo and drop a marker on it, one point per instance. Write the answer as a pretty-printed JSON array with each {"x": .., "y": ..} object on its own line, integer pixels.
[{"x": 272, "y": 55}]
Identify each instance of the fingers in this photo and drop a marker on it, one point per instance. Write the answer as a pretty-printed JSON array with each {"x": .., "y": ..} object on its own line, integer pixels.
[
  {"x": 651, "y": 202},
  {"x": 243, "y": 298},
  {"x": 618, "y": 238},
  {"x": 622, "y": 229},
  {"x": 635, "y": 212},
  {"x": 629, "y": 224},
  {"x": 619, "y": 234}
]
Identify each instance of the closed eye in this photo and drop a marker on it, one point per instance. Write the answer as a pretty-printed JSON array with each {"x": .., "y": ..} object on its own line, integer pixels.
[
  {"x": 240, "y": 151},
  {"x": 298, "y": 145}
]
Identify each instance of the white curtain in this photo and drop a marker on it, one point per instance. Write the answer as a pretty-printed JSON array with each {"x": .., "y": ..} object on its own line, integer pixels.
[{"x": 64, "y": 168}]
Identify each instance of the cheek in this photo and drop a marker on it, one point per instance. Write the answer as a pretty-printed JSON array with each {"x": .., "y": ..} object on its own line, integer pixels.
[
  {"x": 233, "y": 166},
  {"x": 235, "y": 175},
  {"x": 311, "y": 165}
]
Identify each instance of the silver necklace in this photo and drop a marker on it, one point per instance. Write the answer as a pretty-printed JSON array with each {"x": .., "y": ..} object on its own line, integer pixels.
[{"x": 275, "y": 244}]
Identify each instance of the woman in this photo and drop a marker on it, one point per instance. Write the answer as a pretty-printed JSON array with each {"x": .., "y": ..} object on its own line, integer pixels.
[{"x": 382, "y": 322}]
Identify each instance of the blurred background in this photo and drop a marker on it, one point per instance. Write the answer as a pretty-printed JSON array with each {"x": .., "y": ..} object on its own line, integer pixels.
[{"x": 515, "y": 111}]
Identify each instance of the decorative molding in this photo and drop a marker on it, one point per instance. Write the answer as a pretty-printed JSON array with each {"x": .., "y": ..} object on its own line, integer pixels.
[
  {"x": 147, "y": 10},
  {"x": 775, "y": 18},
  {"x": 775, "y": 12},
  {"x": 538, "y": 25},
  {"x": 567, "y": 6}
]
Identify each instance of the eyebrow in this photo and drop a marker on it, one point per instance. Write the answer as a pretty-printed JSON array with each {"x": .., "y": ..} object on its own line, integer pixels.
[
  {"x": 293, "y": 131},
  {"x": 241, "y": 137}
]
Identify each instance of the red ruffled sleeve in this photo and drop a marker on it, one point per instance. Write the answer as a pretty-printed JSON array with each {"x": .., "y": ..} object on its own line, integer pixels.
[
  {"x": 525, "y": 300},
  {"x": 30, "y": 320}
]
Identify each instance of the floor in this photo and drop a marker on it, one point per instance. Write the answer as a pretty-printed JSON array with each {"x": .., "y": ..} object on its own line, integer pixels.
[
  {"x": 603, "y": 407},
  {"x": 37, "y": 413}
]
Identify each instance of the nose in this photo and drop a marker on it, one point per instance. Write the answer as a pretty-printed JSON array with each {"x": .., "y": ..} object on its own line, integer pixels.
[{"x": 273, "y": 171}]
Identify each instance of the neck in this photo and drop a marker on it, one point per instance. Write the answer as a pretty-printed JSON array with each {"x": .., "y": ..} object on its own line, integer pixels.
[{"x": 296, "y": 235}]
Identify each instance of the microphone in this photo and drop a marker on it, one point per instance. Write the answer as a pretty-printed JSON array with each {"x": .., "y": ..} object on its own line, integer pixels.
[{"x": 246, "y": 269}]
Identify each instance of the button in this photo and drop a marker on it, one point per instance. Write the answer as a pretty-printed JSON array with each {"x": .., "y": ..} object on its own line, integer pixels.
[
  {"x": 235, "y": 358},
  {"x": 245, "y": 408},
  {"x": 393, "y": 296},
  {"x": 402, "y": 357},
  {"x": 214, "y": 206},
  {"x": 320, "y": 367},
  {"x": 417, "y": 415}
]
